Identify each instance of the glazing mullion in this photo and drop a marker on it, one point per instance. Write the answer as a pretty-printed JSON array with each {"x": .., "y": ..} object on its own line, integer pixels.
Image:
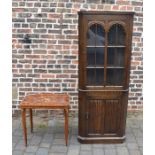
[
  {"x": 105, "y": 57},
  {"x": 95, "y": 52},
  {"x": 116, "y": 43}
]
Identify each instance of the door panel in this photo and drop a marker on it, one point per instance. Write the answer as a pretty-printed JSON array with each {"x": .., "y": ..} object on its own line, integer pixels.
[
  {"x": 112, "y": 116},
  {"x": 95, "y": 117}
]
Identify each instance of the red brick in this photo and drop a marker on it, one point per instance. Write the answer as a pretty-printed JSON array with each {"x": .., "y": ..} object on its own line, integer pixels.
[
  {"x": 122, "y": 8},
  {"x": 40, "y": 80},
  {"x": 62, "y": 76},
  {"x": 122, "y": 2},
  {"x": 100, "y": 7},
  {"x": 115, "y": 7},
  {"x": 54, "y": 15},
  {"x": 18, "y": 10},
  {"x": 75, "y": 62},
  {"x": 32, "y": 57},
  {"x": 66, "y": 47},
  {"x": 14, "y": 40},
  {"x": 57, "y": 47},
  {"x": 107, "y": 7},
  {"x": 18, "y": 46},
  {"x": 48, "y": 76},
  {"x": 76, "y": 6},
  {"x": 92, "y": 6},
  {"x": 134, "y": 107},
  {"x": 135, "y": 63},
  {"x": 130, "y": 8}
]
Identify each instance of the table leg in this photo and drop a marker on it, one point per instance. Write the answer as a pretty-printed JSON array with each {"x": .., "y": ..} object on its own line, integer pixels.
[
  {"x": 31, "y": 120},
  {"x": 66, "y": 125},
  {"x": 24, "y": 125}
]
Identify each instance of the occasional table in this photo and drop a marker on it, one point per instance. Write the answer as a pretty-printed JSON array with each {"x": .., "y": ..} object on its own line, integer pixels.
[{"x": 44, "y": 101}]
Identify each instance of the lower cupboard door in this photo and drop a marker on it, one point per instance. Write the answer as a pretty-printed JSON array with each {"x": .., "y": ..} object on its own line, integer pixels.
[
  {"x": 103, "y": 117},
  {"x": 112, "y": 117}
]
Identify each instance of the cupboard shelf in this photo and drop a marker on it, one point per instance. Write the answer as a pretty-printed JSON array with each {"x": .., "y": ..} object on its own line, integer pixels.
[
  {"x": 111, "y": 67},
  {"x": 112, "y": 46}
]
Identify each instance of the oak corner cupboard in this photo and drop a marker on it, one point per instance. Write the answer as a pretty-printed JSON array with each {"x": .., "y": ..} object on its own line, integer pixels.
[{"x": 104, "y": 65}]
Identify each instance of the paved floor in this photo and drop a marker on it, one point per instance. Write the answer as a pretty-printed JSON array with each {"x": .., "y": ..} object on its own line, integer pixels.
[{"x": 48, "y": 138}]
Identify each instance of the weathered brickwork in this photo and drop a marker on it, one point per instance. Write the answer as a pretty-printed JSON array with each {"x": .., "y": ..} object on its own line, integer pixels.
[{"x": 45, "y": 47}]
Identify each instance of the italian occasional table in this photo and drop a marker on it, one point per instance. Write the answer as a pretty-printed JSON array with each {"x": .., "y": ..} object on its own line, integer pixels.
[{"x": 44, "y": 101}]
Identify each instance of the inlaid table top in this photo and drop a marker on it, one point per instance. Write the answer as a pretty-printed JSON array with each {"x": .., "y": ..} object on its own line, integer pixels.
[{"x": 45, "y": 100}]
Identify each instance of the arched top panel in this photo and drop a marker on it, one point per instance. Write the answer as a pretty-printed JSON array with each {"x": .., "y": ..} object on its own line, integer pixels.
[
  {"x": 116, "y": 35},
  {"x": 96, "y": 35}
]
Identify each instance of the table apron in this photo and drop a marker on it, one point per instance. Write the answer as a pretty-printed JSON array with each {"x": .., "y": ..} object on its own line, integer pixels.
[{"x": 50, "y": 107}]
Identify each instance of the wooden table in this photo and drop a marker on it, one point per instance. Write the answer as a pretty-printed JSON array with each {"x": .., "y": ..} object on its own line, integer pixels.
[{"x": 44, "y": 101}]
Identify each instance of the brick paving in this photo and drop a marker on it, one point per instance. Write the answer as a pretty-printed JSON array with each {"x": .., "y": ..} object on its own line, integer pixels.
[{"x": 48, "y": 138}]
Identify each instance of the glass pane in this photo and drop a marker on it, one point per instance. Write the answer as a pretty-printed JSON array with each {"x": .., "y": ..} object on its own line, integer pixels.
[
  {"x": 99, "y": 56},
  {"x": 120, "y": 35},
  {"x": 116, "y": 35},
  {"x": 99, "y": 76},
  {"x": 100, "y": 35},
  {"x": 111, "y": 57},
  {"x": 112, "y": 35},
  {"x": 115, "y": 76},
  {"x": 90, "y": 56},
  {"x": 120, "y": 56},
  {"x": 91, "y": 35},
  {"x": 115, "y": 57},
  {"x": 90, "y": 76}
]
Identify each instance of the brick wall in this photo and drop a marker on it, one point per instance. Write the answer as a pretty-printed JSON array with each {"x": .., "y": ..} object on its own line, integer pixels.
[{"x": 45, "y": 47}]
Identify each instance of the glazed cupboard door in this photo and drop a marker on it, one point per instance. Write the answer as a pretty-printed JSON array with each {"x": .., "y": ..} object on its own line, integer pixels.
[
  {"x": 105, "y": 55},
  {"x": 104, "y": 61}
]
